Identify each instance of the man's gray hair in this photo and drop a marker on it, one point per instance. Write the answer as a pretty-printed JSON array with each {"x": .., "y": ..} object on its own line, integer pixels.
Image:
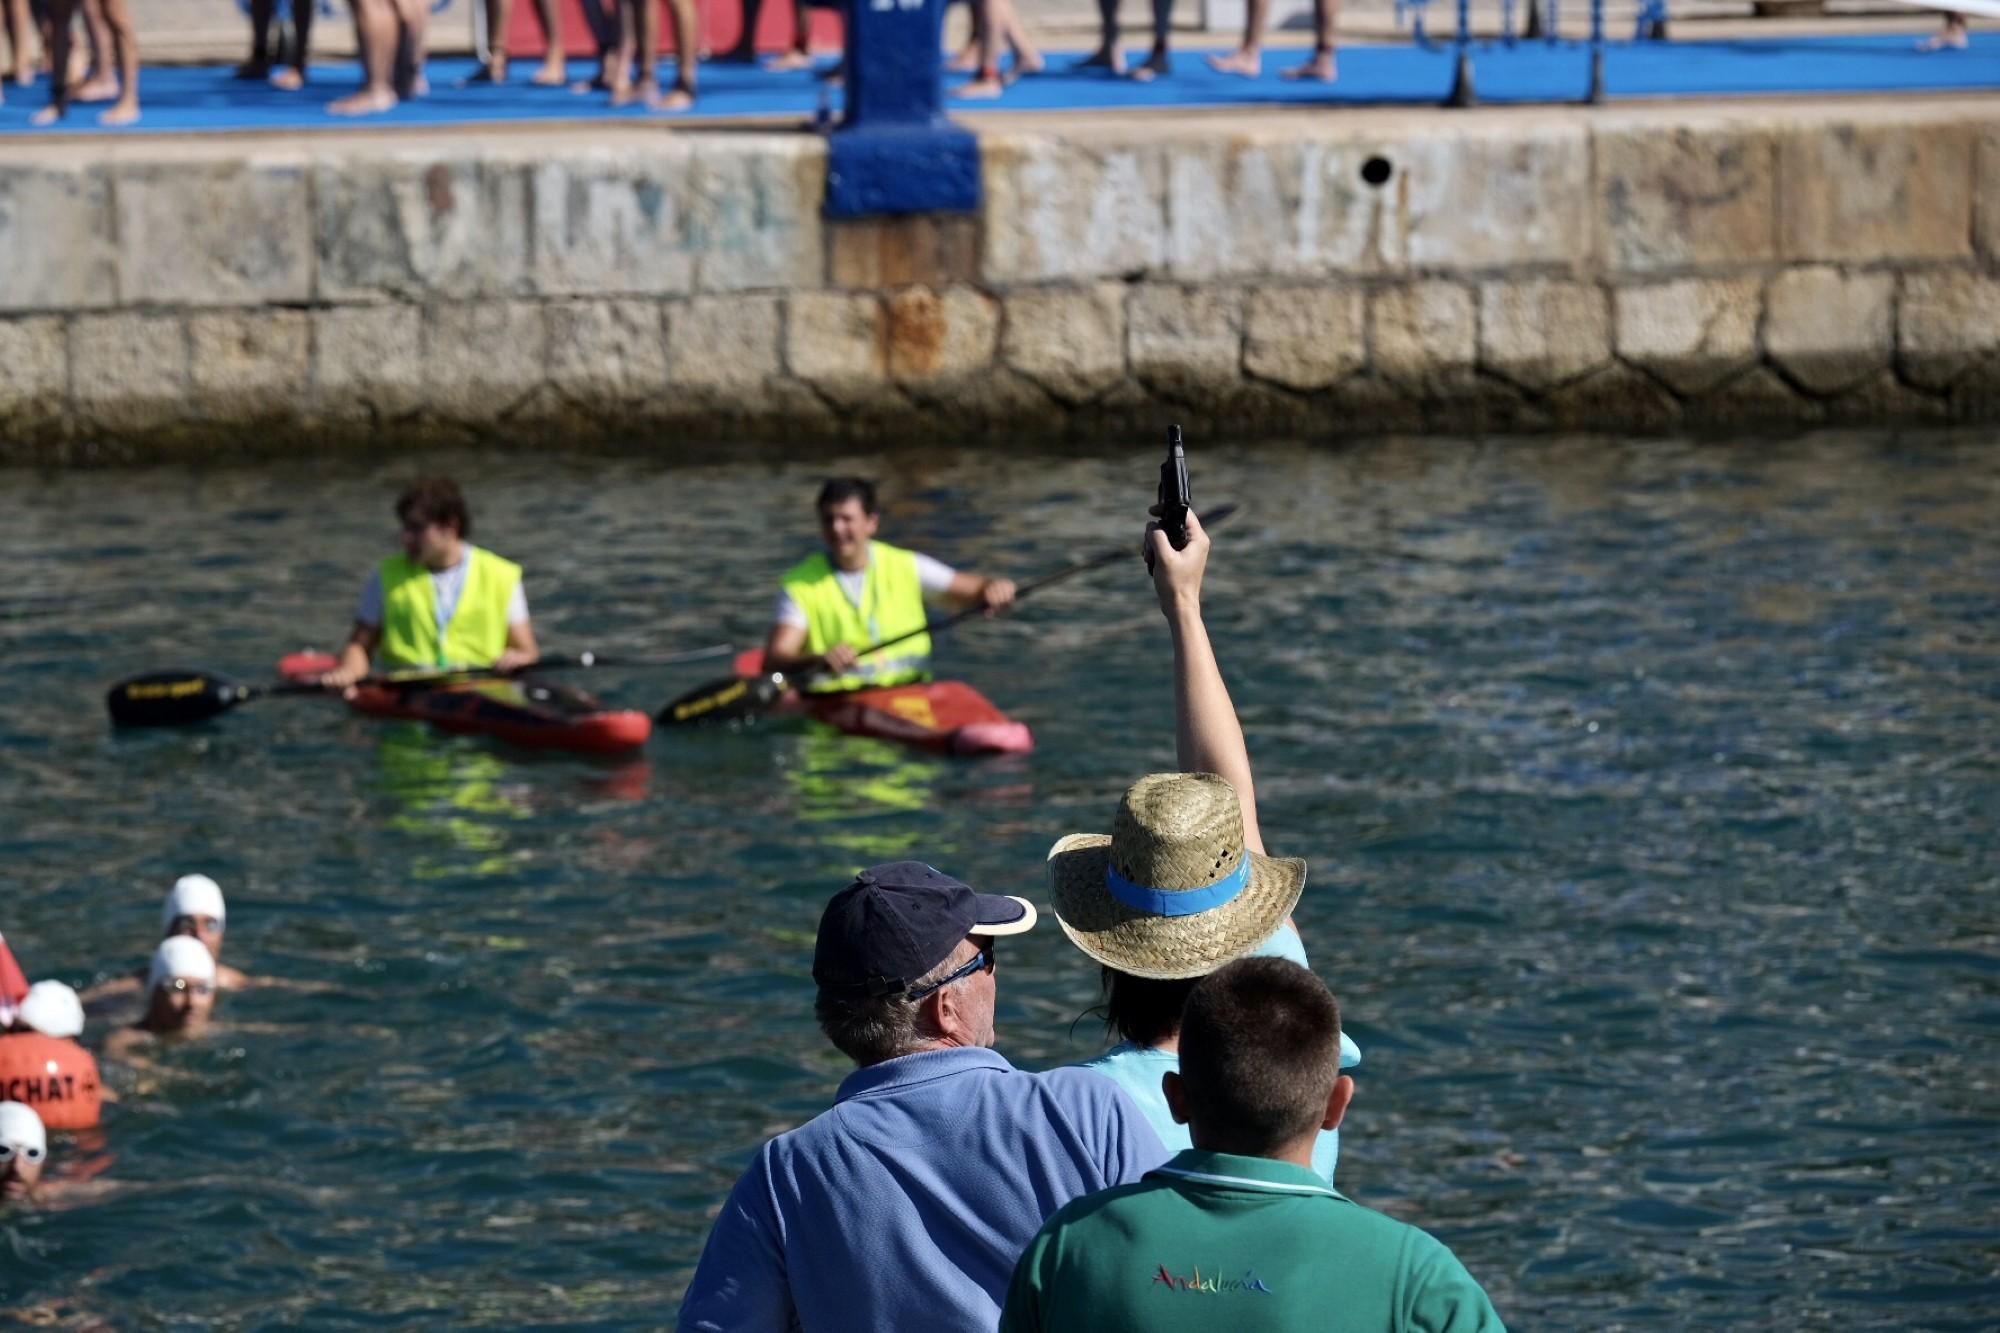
[{"x": 874, "y": 1028}]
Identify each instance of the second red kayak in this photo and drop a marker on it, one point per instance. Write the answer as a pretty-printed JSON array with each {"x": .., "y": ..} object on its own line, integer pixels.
[
  {"x": 948, "y": 716},
  {"x": 539, "y": 715}
]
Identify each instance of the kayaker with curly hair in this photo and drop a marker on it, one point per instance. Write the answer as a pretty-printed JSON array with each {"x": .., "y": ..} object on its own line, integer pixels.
[
  {"x": 861, "y": 591},
  {"x": 441, "y": 601}
]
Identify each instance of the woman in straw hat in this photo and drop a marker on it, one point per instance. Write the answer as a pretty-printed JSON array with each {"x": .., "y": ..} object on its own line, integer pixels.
[{"x": 1181, "y": 884}]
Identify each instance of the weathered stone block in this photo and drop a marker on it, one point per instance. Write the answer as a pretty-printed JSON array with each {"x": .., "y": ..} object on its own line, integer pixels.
[
  {"x": 1949, "y": 321},
  {"x": 1613, "y": 397},
  {"x": 838, "y": 343},
  {"x": 1305, "y": 337},
  {"x": 936, "y": 334},
  {"x": 1072, "y": 343},
  {"x": 1501, "y": 195},
  {"x": 1057, "y": 209},
  {"x": 1830, "y": 329},
  {"x": 249, "y": 365},
  {"x": 927, "y": 250},
  {"x": 756, "y": 212},
  {"x": 55, "y": 239},
  {"x": 604, "y": 352},
  {"x": 34, "y": 369},
  {"x": 129, "y": 372},
  {"x": 1692, "y": 333},
  {"x": 1423, "y": 333},
  {"x": 723, "y": 343},
  {"x": 1869, "y": 192},
  {"x": 1541, "y": 334},
  {"x": 1181, "y": 339},
  {"x": 368, "y": 361},
  {"x": 413, "y": 227},
  {"x": 1233, "y": 208},
  {"x": 1758, "y": 396},
  {"x": 615, "y": 221},
  {"x": 1690, "y": 198},
  {"x": 214, "y": 233},
  {"x": 482, "y": 358}
]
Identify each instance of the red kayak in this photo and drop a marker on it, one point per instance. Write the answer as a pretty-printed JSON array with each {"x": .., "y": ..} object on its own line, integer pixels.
[
  {"x": 944, "y": 715},
  {"x": 537, "y": 714}
]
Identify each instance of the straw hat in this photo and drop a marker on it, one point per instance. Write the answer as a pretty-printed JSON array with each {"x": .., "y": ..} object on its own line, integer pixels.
[{"x": 1171, "y": 893}]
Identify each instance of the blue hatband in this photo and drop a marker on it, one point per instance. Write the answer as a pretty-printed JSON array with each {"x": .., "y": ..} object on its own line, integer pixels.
[{"x": 1177, "y": 902}]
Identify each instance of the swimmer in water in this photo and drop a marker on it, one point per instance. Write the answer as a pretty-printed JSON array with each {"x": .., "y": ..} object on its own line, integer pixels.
[
  {"x": 24, "y": 1151},
  {"x": 180, "y": 997},
  {"x": 193, "y": 908}
]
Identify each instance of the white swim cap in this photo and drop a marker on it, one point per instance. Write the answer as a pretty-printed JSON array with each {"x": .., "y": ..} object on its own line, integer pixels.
[
  {"x": 193, "y": 895},
  {"x": 53, "y": 1010},
  {"x": 20, "y": 1128},
  {"x": 180, "y": 956}
]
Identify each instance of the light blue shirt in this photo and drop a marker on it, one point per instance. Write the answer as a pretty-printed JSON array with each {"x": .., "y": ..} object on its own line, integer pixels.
[
  {"x": 1137, "y": 1070},
  {"x": 906, "y": 1205}
]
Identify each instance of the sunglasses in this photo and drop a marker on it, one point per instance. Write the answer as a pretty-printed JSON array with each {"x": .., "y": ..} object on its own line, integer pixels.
[
  {"x": 29, "y": 1152},
  {"x": 983, "y": 961}
]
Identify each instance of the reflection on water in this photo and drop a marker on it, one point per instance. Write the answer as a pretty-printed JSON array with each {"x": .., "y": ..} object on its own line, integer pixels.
[{"x": 1649, "y": 792}]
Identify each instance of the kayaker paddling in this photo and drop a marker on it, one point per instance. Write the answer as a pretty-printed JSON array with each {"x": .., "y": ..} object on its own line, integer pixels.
[
  {"x": 860, "y": 591},
  {"x": 442, "y": 601}
]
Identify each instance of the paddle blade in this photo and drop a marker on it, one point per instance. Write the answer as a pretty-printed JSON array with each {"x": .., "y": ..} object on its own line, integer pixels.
[
  {"x": 731, "y": 699},
  {"x": 172, "y": 699}
]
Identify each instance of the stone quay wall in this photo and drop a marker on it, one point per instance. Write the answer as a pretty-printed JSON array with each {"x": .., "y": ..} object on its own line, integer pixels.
[{"x": 1646, "y": 267}]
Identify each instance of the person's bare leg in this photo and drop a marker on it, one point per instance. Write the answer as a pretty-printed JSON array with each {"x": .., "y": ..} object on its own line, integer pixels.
[
  {"x": 554, "y": 72},
  {"x": 799, "y": 56},
  {"x": 292, "y": 77},
  {"x": 687, "y": 60},
  {"x": 985, "y": 81},
  {"x": 1326, "y": 16},
  {"x": 499, "y": 18},
  {"x": 100, "y": 82},
  {"x": 1248, "y": 59},
  {"x": 62, "y": 17},
  {"x": 378, "y": 34},
  {"x": 125, "y": 47},
  {"x": 20, "y": 32},
  {"x": 1027, "y": 60},
  {"x": 966, "y": 59},
  {"x": 643, "y": 21},
  {"x": 412, "y": 60}
]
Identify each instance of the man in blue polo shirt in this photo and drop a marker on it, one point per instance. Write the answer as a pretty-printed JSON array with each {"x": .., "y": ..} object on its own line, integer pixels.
[{"x": 906, "y": 1204}]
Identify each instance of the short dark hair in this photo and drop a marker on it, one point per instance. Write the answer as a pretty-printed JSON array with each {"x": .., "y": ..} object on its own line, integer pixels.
[
  {"x": 869, "y": 1029},
  {"x": 839, "y": 490},
  {"x": 434, "y": 500},
  {"x": 1260, "y": 1050},
  {"x": 1143, "y": 1010}
]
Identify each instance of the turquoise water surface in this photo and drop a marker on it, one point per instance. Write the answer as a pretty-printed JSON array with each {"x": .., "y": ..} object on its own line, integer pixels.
[{"x": 1651, "y": 793}]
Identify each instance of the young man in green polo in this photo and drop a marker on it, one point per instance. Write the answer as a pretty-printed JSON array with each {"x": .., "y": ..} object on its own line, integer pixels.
[
  {"x": 442, "y": 601},
  {"x": 1239, "y": 1232},
  {"x": 861, "y": 591}
]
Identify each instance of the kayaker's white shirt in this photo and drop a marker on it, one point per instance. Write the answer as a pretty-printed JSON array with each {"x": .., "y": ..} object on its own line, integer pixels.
[
  {"x": 933, "y": 576},
  {"x": 447, "y": 585}
]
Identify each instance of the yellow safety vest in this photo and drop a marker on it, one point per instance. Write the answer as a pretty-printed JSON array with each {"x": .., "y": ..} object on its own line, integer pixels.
[
  {"x": 477, "y": 633},
  {"x": 892, "y": 603}
]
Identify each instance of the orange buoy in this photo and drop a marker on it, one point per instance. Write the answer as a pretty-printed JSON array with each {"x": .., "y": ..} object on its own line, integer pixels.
[{"x": 53, "y": 1076}]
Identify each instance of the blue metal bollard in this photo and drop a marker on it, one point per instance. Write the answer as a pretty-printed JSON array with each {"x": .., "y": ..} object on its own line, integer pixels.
[{"x": 895, "y": 152}]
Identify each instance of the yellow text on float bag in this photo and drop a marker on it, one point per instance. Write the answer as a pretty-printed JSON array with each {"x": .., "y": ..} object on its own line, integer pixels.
[
  {"x": 892, "y": 603},
  {"x": 477, "y": 633}
]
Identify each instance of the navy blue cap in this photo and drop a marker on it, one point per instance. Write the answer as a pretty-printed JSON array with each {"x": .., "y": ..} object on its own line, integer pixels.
[{"x": 896, "y": 922}]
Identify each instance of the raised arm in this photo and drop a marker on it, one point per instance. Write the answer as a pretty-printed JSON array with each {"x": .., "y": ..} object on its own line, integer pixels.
[{"x": 1207, "y": 737}]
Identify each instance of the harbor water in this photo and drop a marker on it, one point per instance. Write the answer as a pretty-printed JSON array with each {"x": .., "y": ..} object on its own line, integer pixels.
[{"x": 1651, "y": 793}]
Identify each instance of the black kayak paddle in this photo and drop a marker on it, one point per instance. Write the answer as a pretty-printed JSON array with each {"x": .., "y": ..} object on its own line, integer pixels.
[
  {"x": 178, "y": 698},
  {"x": 736, "y": 698}
]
